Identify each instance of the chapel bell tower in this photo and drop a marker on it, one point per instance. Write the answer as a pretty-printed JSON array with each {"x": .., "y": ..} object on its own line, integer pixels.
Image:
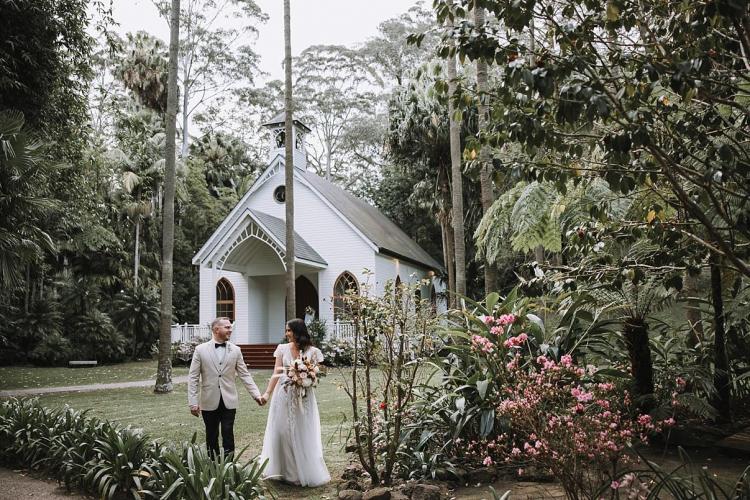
[{"x": 278, "y": 139}]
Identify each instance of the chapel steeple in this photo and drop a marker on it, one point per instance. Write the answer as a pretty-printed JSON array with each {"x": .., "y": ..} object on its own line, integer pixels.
[{"x": 278, "y": 140}]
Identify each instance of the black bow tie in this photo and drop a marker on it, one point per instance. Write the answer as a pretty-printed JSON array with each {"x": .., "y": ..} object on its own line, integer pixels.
[{"x": 220, "y": 345}]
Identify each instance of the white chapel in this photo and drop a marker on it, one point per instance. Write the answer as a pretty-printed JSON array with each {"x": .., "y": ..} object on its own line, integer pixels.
[{"x": 337, "y": 237}]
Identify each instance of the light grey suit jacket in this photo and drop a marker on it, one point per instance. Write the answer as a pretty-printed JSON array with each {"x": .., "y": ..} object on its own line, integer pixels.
[{"x": 218, "y": 379}]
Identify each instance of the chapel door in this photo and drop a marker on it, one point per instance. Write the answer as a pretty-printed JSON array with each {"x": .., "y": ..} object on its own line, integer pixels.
[{"x": 306, "y": 295}]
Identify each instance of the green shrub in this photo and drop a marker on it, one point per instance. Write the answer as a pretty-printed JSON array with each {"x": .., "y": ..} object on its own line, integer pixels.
[
  {"x": 338, "y": 352},
  {"x": 52, "y": 350},
  {"x": 182, "y": 352},
  {"x": 120, "y": 453},
  {"x": 99, "y": 457},
  {"x": 318, "y": 331},
  {"x": 189, "y": 473},
  {"x": 686, "y": 482},
  {"x": 136, "y": 315},
  {"x": 95, "y": 338}
]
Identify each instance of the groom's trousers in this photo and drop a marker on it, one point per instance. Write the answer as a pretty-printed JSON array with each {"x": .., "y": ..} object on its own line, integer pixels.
[{"x": 220, "y": 418}]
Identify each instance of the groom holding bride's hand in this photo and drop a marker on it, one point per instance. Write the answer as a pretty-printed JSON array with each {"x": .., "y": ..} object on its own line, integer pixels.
[{"x": 215, "y": 366}]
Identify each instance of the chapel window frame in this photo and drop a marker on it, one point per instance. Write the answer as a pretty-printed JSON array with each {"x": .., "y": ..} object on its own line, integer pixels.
[
  {"x": 348, "y": 282},
  {"x": 226, "y": 305}
]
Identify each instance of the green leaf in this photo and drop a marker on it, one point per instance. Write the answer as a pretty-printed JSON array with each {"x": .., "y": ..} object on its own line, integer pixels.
[
  {"x": 613, "y": 12},
  {"x": 482, "y": 386},
  {"x": 611, "y": 372},
  {"x": 487, "y": 422},
  {"x": 491, "y": 301}
]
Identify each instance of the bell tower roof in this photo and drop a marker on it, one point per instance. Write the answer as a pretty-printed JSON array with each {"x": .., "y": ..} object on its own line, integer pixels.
[{"x": 280, "y": 119}]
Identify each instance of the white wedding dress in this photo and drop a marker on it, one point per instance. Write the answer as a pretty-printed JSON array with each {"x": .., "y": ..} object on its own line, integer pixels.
[{"x": 292, "y": 443}]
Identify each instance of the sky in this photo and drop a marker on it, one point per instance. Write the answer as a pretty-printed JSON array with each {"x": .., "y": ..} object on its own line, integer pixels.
[{"x": 314, "y": 22}]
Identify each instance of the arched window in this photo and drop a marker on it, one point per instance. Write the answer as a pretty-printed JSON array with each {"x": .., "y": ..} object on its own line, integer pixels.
[
  {"x": 225, "y": 299},
  {"x": 279, "y": 138},
  {"x": 344, "y": 283},
  {"x": 397, "y": 292}
]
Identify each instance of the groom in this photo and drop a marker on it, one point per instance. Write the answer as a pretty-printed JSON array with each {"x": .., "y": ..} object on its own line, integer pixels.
[{"x": 215, "y": 366}]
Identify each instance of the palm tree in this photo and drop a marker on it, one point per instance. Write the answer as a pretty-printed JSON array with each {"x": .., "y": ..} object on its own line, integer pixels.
[
  {"x": 23, "y": 205},
  {"x": 291, "y": 305},
  {"x": 164, "y": 371},
  {"x": 459, "y": 246},
  {"x": 485, "y": 180}
]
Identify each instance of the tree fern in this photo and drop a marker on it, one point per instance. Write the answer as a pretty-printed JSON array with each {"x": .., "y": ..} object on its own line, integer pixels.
[{"x": 536, "y": 214}]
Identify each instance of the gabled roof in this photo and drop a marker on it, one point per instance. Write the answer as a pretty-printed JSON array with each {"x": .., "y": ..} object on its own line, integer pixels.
[
  {"x": 380, "y": 232},
  {"x": 379, "y": 229},
  {"x": 277, "y": 228}
]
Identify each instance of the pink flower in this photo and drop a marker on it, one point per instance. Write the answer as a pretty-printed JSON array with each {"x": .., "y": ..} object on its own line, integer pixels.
[
  {"x": 516, "y": 341},
  {"x": 581, "y": 395},
  {"x": 566, "y": 360},
  {"x": 480, "y": 343},
  {"x": 487, "y": 461},
  {"x": 507, "y": 319},
  {"x": 669, "y": 422},
  {"x": 615, "y": 485},
  {"x": 497, "y": 330}
]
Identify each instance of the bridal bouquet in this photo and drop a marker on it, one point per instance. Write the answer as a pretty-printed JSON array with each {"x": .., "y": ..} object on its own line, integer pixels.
[{"x": 301, "y": 374}]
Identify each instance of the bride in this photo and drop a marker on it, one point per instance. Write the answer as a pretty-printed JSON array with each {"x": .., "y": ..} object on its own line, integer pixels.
[{"x": 292, "y": 443}]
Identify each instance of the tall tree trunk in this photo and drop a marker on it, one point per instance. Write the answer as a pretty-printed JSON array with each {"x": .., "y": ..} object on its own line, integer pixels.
[
  {"x": 459, "y": 243},
  {"x": 291, "y": 304},
  {"x": 639, "y": 352},
  {"x": 137, "y": 257},
  {"x": 485, "y": 178},
  {"x": 450, "y": 238},
  {"x": 447, "y": 234},
  {"x": 722, "y": 401},
  {"x": 446, "y": 257},
  {"x": 185, "y": 117},
  {"x": 445, "y": 218},
  {"x": 27, "y": 290},
  {"x": 692, "y": 309},
  {"x": 164, "y": 370},
  {"x": 328, "y": 162}
]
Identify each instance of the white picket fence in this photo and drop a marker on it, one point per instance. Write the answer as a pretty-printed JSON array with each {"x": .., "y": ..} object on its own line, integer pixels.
[
  {"x": 187, "y": 332},
  {"x": 342, "y": 330}
]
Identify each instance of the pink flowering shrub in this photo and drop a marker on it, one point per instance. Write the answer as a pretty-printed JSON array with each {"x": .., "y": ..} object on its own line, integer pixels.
[
  {"x": 509, "y": 401},
  {"x": 577, "y": 429}
]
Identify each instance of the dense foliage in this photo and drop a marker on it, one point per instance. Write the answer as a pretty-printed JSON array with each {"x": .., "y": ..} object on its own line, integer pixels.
[{"x": 98, "y": 457}]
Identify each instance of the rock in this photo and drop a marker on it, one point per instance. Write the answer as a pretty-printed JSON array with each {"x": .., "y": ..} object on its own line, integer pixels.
[
  {"x": 484, "y": 475},
  {"x": 351, "y": 485},
  {"x": 425, "y": 492},
  {"x": 350, "y": 495},
  {"x": 377, "y": 494},
  {"x": 396, "y": 495},
  {"x": 352, "y": 472}
]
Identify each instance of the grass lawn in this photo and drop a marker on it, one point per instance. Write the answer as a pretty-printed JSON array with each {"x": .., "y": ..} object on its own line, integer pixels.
[
  {"x": 167, "y": 416},
  {"x": 31, "y": 377}
]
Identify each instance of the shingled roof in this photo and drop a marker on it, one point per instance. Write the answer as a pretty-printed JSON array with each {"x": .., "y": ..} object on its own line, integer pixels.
[
  {"x": 379, "y": 229},
  {"x": 280, "y": 119},
  {"x": 277, "y": 228}
]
